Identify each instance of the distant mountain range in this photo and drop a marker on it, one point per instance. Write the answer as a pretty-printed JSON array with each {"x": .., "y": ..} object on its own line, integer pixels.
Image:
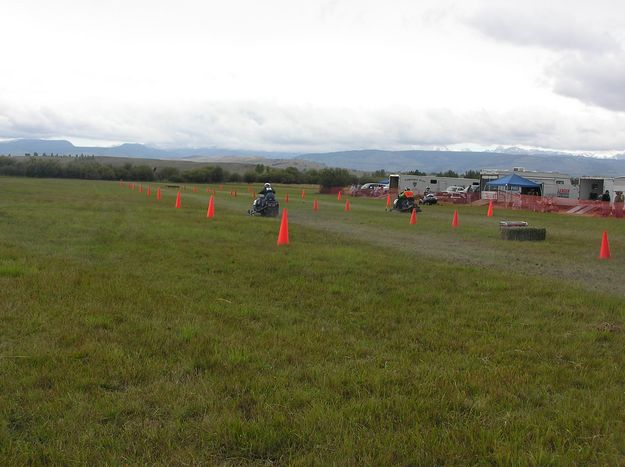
[
  {"x": 461, "y": 161},
  {"x": 365, "y": 160},
  {"x": 19, "y": 147}
]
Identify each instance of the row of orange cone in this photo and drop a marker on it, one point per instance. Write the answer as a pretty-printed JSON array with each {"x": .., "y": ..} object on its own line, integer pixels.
[
  {"x": 283, "y": 234},
  {"x": 132, "y": 186}
]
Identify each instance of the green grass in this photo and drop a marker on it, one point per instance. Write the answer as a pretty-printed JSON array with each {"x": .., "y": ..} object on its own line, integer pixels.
[{"x": 131, "y": 332}]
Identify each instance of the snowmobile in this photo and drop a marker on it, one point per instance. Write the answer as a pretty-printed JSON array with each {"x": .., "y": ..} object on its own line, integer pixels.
[
  {"x": 405, "y": 202},
  {"x": 429, "y": 199},
  {"x": 265, "y": 205}
]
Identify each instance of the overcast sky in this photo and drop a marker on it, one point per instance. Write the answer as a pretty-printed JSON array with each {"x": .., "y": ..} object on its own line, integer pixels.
[{"x": 307, "y": 75}]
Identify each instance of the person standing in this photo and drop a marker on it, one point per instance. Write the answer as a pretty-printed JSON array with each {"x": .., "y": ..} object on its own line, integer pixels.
[
  {"x": 619, "y": 201},
  {"x": 605, "y": 203}
]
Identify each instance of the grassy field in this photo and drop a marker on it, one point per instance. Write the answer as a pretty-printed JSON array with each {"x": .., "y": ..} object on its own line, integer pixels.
[{"x": 132, "y": 332}]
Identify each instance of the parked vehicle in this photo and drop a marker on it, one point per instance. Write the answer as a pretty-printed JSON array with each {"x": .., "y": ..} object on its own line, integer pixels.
[
  {"x": 373, "y": 189},
  {"x": 429, "y": 199},
  {"x": 455, "y": 189},
  {"x": 370, "y": 186}
]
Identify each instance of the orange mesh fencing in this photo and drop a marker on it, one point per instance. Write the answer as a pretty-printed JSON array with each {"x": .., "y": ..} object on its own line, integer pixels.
[{"x": 555, "y": 204}]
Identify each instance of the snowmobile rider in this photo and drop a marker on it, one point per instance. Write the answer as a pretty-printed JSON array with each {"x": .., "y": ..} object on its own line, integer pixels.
[
  {"x": 407, "y": 193},
  {"x": 262, "y": 194},
  {"x": 267, "y": 189}
]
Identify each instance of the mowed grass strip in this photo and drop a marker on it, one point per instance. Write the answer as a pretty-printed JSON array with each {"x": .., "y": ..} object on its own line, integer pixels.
[
  {"x": 132, "y": 332},
  {"x": 569, "y": 255}
]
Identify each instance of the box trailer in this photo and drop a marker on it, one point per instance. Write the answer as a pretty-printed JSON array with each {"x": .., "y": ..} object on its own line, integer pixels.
[
  {"x": 420, "y": 183},
  {"x": 591, "y": 188}
]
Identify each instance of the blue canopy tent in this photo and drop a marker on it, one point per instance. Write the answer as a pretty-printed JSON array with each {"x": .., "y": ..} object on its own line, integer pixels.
[{"x": 515, "y": 180}]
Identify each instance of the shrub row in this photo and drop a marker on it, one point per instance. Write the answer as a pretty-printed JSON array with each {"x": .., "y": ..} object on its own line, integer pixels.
[{"x": 89, "y": 168}]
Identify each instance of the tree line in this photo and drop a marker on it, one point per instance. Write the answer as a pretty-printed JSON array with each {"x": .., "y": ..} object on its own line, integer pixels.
[
  {"x": 89, "y": 168},
  {"x": 449, "y": 173}
]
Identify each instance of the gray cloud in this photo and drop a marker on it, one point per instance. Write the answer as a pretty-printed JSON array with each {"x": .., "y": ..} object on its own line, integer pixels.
[
  {"x": 264, "y": 126},
  {"x": 590, "y": 62},
  {"x": 545, "y": 27},
  {"x": 594, "y": 79}
]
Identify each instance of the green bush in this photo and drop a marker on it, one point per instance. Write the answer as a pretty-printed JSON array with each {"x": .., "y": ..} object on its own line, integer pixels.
[
  {"x": 234, "y": 177},
  {"x": 249, "y": 177},
  {"x": 329, "y": 178}
]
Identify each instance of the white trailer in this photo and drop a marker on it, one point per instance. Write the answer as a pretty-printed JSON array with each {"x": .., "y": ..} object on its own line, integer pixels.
[
  {"x": 419, "y": 183},
  {"x": 591, "y": 188},
  {"x": 619, "y": 184}
]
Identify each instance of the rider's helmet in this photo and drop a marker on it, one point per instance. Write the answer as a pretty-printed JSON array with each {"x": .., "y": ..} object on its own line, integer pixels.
[{"x": 267, "y": 185}]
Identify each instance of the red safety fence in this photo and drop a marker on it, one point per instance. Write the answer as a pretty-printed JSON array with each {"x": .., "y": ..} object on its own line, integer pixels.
[
  {"x": 555, "y": 204},
  {"x": 377, "y": 192},
  {"x": 536, "y": 203},
  {"x": 457, "y": 198},
  {"x": 508, "y": 200}
]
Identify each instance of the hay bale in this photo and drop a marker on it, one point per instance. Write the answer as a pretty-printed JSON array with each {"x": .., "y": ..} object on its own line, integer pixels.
[{"x": 531, "y": 234}]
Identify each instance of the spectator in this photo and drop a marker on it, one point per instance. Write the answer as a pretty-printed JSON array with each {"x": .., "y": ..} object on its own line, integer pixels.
[
  {"x": 605, "y": 203},
  {"x": 619, "y": 201}
]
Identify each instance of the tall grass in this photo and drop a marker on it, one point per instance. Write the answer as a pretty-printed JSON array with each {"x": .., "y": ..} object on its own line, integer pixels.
[{"x": 132, "y": 332}]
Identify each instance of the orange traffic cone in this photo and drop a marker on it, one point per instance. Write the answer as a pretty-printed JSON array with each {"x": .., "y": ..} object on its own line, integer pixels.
[
  {"x": 604, "y": 253},
  {"x": 286, "y": 198},
  {"x": 207, "y": 190},
  {"x": 211, "y": 208},
  {"x": 490, "y": 209},
  {"x": 158, "y": 193},
  {"x": 315, "y": 205},
  {"x": 338, "y": 197},
  {"x": 283, "y": 235},
  {"x": 454, "y": 221},
  {"x": 303, "y": 194},
  {"x": 388, "y": 201},
  {"x": 194, "y": 189},
  {"x": 413, "y": 216},
  {"x": 178, "y": 204},
  {"x": 149, "y": 190},
  {"x": 129, "y": 186},
  {"x": 253, "y": 195},
  {"x": 133, "y": 187},
  {"x": 221, "y": 187},
  {"x": 213, "y": 192},
  {"x": 235, "y": 193},
  {"x": 140, "y": 188},
  {"x": 347, "y": 206}
]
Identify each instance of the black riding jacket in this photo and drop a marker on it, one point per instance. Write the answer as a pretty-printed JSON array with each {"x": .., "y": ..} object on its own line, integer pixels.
[{"x": 264, "y": 191}]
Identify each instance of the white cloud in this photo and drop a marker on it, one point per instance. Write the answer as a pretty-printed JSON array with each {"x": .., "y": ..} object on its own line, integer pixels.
[
  {"x": 315, "y": 75},
  {"x": 268, "y": 126}
]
